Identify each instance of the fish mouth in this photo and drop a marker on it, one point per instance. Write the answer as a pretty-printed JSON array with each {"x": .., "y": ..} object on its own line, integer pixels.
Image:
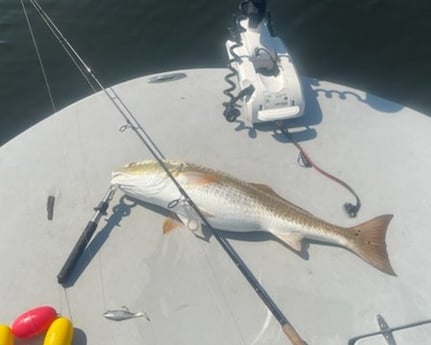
[
  {"x": 124, "y": 183},
  {"x": 115, "y": 177},
  {"x": 116, "y": 174},
  {"x": 118, "y": 180}
]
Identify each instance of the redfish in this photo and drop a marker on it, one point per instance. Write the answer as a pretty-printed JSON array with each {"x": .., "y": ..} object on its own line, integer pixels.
[{"x": 231, "y": 204}]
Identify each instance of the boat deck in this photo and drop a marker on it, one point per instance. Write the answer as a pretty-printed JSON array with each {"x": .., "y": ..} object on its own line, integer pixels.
[{"x": 189, "y": 287}]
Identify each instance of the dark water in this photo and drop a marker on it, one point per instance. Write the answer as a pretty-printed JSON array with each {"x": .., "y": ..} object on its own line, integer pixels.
[{"x": 380, "y": 46}]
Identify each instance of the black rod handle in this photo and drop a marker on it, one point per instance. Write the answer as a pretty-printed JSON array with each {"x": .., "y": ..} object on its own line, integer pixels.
[
  {"x": 85, "y": 237},
  {"x": 76, "y": 252}
]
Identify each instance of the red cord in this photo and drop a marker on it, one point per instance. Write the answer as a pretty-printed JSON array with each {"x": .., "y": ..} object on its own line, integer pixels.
[{"x": 352, "y": 210}]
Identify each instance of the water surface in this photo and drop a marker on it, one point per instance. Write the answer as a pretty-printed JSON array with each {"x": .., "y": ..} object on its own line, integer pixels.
[{"x": 380, "y": 46}]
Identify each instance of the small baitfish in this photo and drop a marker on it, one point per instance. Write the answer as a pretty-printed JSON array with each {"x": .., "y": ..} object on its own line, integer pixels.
[
  {"x": 123, "y": 314},
  {"x": 231, "y": 204}
]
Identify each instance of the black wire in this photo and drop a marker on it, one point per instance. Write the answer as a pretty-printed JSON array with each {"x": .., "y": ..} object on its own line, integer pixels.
[{"x": 231, "y": 112}]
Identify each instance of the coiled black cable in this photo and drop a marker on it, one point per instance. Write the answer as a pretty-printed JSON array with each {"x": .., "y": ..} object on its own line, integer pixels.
[
  {"x": 255, "y": 11},
  {"x": 231, "y": 111}
]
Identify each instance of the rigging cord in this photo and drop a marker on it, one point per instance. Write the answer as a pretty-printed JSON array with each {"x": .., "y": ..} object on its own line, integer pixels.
[
  {"x": 134, "y": 124},
  {"x": 352, "y": 210}
]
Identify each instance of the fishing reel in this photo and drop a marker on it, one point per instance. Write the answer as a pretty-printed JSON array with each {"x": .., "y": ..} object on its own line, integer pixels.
[{"x": 269, "y": 87}]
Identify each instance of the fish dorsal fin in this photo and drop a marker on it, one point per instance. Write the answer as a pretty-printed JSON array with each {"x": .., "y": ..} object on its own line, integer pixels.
[
  {"x": 267, "y": 189},
  {"x": 198, "y": 178},
  {"x": 170, "y": 224},
  {"x": 292, "y": 239}
]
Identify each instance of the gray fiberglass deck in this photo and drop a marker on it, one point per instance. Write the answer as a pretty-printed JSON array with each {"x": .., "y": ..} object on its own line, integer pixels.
[{"x": 189, "y": 288}]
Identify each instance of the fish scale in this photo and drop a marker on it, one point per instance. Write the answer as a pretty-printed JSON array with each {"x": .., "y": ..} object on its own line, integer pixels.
[
  {"x": 231, "y": 204},
  {"x": 265, "y": 209}
]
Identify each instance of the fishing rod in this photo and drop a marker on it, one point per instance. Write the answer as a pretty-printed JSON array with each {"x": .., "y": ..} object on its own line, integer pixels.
[{"x": 134, "y": 124}]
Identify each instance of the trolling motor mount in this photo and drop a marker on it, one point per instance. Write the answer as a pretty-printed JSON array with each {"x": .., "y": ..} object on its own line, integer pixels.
[{"x": 269, "y": 87}]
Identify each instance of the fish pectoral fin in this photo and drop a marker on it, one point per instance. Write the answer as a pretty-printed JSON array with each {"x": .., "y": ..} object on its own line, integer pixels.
[
  {"x": 171, "y": 223},
  {"x": 292, "y": 239}
]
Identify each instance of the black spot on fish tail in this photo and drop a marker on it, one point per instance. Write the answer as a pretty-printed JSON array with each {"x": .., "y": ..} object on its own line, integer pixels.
[{"x": 368, "y": 242}]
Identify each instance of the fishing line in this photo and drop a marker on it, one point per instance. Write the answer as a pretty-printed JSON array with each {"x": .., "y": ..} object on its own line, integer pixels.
[
  {"x": 39, "y": 57},
  {"x": 69, "y": 308},
  {"x": 156, "y": 153},
  {"x": 131, "y": 121},
  {"x": 70, "y": 51},
  {"x": 101, "y": 279},
  {"x": 62, "y": 290},
  {"x": 60, "y": 298}
]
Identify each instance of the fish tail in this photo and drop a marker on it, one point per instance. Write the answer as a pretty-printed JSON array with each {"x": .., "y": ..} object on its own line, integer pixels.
[
  {"x": 143, "y": 314},
  {"x": 369, "y": 242}
]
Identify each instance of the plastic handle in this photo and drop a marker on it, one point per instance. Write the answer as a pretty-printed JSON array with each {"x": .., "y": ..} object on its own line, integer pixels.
[{"x": 76, "y": 252}]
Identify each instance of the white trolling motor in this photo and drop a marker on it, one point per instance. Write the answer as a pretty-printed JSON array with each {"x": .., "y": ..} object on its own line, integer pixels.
[{"x": 269, "y": 87}]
